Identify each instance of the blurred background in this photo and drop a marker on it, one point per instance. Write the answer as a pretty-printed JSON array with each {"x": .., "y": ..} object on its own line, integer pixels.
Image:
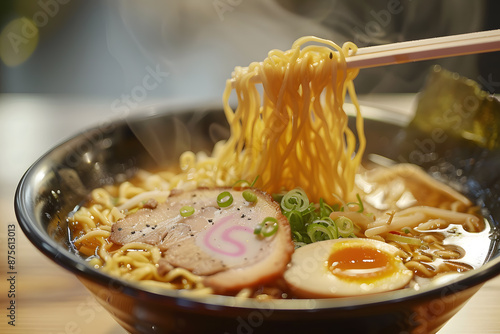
[
  {"x": 66, "y": 65},
  {"x": 187, "y": 49}
]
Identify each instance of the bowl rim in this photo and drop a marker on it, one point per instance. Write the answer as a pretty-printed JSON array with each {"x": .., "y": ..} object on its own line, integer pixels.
[{"x": 76, "y": 265}]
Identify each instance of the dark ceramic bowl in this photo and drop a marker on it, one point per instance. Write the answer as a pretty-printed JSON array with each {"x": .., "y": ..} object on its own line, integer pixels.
[{"x": 62, "y": 178}]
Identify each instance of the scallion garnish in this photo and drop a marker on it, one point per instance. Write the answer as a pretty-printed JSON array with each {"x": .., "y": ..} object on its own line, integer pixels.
[
  {"x": 310, "y": 222},
  {"x": 345, "y": 226},
  {"x": 297, "y": 236},
  {"x": 186, "y": 211},
  {"x": 267, "y": 227},
  {"x": 359, "y": 203},
  {"x": 296, "y": 221},
  {"x": 243, "y": 182},
  {"x": 249, "y": 196},
  {"x": 324, "y": 209},
  {"x": 254, "y": 181},
  {"x": 225, "y": 199},
  {"x": 295, "y": 199},
  {"x": 317, "y": 231}
]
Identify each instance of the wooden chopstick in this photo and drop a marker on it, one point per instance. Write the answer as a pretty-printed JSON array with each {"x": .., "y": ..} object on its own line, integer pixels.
[{"x": 425, "y": 49}]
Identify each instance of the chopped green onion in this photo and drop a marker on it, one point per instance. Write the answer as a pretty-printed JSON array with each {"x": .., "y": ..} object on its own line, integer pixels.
[
  {"x": 254, "y": 181},
  {"x": 297, "y": 236},
  {"x": 266, "y": 230},
  {"x": 258, "y": 229},
  {"x": 317, "y": 232},
  {"x": 246, "y": 182},
  {"x": 324, "y": 209},
  {"x": 359, "y": 203},
  {"x": 296, "y": 221},
  {"x": 327, "y": 221},
  {"x": 345, "y": 226},
  {"x": 240, "y": 181},
  {"x": 186, "y": 211},
  {"x": 295, "y": 199},
  {"x": 361, "y": 206},
  {"x": 404, "y": 239},
  {"x": 334, "y": 231},
  {"x": 310, "y": 210},
  {"x": 310, "y": 222},
  {"x": 249, "y": 196},
  {"x": 225, "y": 199},
  {"x": 330, "y": 225}
]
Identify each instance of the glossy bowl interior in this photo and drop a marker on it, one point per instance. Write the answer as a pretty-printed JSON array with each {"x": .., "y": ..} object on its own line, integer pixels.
[{"x": 61, "y": 179}]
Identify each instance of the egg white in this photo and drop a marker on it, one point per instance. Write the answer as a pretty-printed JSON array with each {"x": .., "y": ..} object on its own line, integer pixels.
[{"x": 308, "y": 275}]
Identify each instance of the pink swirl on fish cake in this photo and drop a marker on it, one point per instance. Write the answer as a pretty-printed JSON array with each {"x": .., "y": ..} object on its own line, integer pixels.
[{"x": 226, "y": 236}]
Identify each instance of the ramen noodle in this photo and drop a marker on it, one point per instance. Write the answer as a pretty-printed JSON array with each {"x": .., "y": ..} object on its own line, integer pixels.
[{"x": 198, "y": 229}]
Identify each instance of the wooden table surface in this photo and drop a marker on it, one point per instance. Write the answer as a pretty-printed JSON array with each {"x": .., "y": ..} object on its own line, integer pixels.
[{"x": 48, "y": 299}]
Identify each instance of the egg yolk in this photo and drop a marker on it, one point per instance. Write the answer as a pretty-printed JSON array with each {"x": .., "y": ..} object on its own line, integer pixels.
[{"x": 359, "y": 263}]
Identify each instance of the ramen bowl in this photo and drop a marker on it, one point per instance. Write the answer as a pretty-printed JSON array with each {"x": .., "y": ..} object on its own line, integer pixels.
[{"x": 63, "y": 178}]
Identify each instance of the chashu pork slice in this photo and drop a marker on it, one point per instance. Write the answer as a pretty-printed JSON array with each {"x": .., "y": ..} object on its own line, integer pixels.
[{"x": 217, "y": 243}]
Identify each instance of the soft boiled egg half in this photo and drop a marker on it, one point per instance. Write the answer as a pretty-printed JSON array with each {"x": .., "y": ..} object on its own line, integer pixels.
[{"x": 346, "y": 267}]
